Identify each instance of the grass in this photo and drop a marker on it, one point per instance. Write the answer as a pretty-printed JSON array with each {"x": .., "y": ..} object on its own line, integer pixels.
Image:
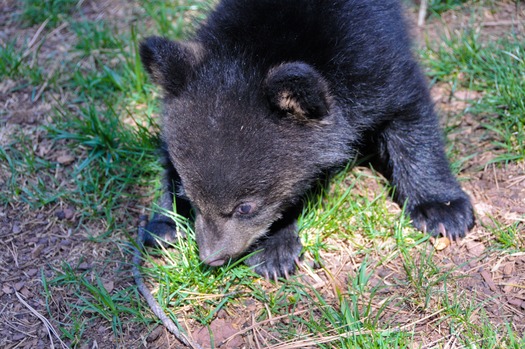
[
  {"x": 437, "y": 7},
  {"x": 36, "y": 12},
  {"x": 14, "y": 64},
  {"x": 369, "y": 280},
  {"x": 92, "y": 298},
  {"x": 497, "y": 70},
  {"x": 509, "y": 236},
  {"x": 175, "y": 19}
]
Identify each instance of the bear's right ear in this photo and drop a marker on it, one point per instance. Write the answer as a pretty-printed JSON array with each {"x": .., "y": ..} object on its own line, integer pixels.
[
  {"x": 170, "y": 63},
  {"x": 297, "y": 89}
]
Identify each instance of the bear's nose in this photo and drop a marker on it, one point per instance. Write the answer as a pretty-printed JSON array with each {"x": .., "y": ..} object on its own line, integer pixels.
[{"x": 212, "y": 258}]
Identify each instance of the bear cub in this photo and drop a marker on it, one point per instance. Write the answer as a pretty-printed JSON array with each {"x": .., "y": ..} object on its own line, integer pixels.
[{"x": 270, "y": 95}]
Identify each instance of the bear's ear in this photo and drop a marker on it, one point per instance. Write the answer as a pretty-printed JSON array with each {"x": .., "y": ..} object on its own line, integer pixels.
[
  {"x": 297, "y": 89},
  {"x": 170, "y": 63}
]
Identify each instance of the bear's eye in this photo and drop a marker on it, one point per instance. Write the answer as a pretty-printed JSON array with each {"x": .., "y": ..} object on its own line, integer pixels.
[{"x": 245, "y": 209}]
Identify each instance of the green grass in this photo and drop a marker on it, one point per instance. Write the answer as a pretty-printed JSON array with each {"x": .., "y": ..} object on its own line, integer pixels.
[
  {"x": 10, "y": 59},
  {"x": 108, "y": 124},
  {"x": 497, "y": 71},
  {"x": 185, "y": 282},
  {"x": 98, "y": 36},
  {"x": 20, "y": 161},
  {"x": 508, "y": 236},
  {"x": 92, "y": 298},
  {"x": 35, "y": 12},
  {"x": 175, "y": 19},
  {"x": 17, "y": 63},
  {"x": 439, "y": 6}
]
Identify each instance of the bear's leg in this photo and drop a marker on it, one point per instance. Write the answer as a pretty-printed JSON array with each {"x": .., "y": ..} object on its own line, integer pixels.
[
  {"x": 278, "y": 252},
  {"x": 412, "y": 149},
  {"x": 162, "y": 227}
]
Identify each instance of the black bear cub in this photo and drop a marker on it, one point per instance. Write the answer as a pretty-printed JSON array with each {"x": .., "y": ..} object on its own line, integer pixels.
[{"x": 269, "y": 95}]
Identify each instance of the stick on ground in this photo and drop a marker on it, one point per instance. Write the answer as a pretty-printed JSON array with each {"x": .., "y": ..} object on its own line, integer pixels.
[{"x": 146, "y": 293}]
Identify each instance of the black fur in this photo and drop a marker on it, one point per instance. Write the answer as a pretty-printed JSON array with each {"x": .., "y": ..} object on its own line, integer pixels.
[{"x": 269, "y": 95}]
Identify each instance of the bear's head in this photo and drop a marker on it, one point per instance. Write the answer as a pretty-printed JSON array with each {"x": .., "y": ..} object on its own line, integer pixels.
[{"x": 246, "y": 138}]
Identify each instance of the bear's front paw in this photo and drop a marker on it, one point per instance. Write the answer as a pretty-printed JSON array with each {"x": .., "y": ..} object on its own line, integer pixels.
[
  {"x": 276, "y": 256},
  {"x": 158, "y": 231},
  {"x": 452, "y": 219}
]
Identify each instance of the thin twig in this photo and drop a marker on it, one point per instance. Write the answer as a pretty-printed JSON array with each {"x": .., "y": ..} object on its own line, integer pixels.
[
  {"x": 498, "y": 23},
  {"x": 146, "y": 293},
  {"x": 423, "y": 6},
  {"x": 49, "y": 328},
  {"x": 32, "y": 45},
  {"x": 40, "y": 90},
  {"x": 37, "y": 34}
]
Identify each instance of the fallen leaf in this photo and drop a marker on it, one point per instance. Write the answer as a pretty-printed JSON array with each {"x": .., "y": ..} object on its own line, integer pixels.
[
  {"x": 508, "y": 268},
  {"x": 65, "y": 159},
  {"x": 440, "y": 243},
  {"x": 25, "y": 292}
]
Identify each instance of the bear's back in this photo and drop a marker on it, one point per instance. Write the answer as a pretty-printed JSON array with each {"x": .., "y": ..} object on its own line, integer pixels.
[{"x": 323, "y": 33}]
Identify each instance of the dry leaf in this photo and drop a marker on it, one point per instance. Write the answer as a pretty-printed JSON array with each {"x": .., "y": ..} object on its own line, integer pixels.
[
  {"x": 508, "y": 269},
  {"x": 65, "y": 159},
  {"x": 441, "y": 243}
]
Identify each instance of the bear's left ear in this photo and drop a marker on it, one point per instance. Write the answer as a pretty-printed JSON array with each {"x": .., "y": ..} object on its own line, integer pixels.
[
  {"x": 170, "y": 63},
  {"x": 297, "y": 89}
]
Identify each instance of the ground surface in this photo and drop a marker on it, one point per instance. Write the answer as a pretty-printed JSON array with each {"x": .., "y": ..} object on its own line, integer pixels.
[{"x": 33, "y": 243}]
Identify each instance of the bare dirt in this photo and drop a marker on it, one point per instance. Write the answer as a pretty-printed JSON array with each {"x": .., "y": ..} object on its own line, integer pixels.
[{"x": 34, "y": 243}]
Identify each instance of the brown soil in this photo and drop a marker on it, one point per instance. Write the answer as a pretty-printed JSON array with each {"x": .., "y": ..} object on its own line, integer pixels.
[{"x": 34, "y": 243}]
